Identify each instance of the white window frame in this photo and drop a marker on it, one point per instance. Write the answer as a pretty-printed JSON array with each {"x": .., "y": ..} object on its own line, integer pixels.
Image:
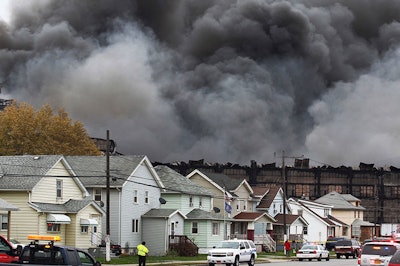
[
  {"x": 146, "y": 197},
  {"x": 4, "y": 221},
  {"x": 194, "y": 227},
  {"x": 215, "y": 228},
  {"x": 200, "y": 202},
  {"x": 53, "y": 227},
  {"x": 84, "y": 229},
  {"x": 135, "y": 226},
  {"x": 59, "y": 188},
  {"x": 96, "y": 195},
  {"x": 190, "y": 201},
  {"x": 135, "y": 196}
]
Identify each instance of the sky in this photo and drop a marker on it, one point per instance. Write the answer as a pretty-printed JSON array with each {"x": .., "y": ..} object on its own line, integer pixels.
[{"x": 223, "y": 81}]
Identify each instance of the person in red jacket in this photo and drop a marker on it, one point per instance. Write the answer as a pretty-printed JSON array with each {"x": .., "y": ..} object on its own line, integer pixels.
[{"x": 287, "y": 247}]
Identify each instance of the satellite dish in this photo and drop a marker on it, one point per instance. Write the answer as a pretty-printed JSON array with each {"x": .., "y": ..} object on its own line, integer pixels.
[
  {"x": 216, "y": 210},
  {"x": 101, "y": 203},
  {"x": 162, "y": 201}
]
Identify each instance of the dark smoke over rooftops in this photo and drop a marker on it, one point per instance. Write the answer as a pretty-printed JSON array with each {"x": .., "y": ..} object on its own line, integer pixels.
[{"x": 227, "y": 81}]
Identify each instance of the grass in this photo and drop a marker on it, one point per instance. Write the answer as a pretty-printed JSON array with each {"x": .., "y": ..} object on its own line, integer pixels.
[{"x": 133, "y": 259}]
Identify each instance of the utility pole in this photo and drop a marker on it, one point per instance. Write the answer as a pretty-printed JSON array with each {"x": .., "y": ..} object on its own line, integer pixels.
[
  {"x": 284, "y": 196},
  {"x": 108, "y": 197}
]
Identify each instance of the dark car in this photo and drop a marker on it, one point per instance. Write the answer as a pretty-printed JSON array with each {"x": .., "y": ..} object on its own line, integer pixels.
[
  {"x": 114, "y": 248},
  {"x": 347, "y": 248},
  {"x": 331, "y": 242}
]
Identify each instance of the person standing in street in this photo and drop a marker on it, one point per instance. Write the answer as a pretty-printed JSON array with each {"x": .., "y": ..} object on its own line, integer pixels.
[
  {"x": 142, "y": 253},
  {"x": 287, "y": 247}
]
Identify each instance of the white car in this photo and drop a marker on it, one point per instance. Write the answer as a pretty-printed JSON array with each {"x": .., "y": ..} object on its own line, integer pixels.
[
  {"x": 233, "y": 252},
  {"x": 377, "y": 253},
  {"x": 312, "y": 251}
]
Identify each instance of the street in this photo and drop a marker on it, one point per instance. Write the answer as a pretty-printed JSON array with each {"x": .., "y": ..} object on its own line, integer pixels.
[{"x": 331, "y": 262}]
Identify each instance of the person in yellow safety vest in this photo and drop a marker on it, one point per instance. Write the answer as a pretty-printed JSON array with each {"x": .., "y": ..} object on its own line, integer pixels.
[{"x": 142, "y": 252}]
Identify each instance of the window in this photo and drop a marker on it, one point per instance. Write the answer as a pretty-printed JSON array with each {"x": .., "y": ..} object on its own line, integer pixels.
[
  {"x": 215, "y": 229},
  {"x": 195, "y": 229},
  {"x": 146, "y": 197},
  {"x": 135, "y": 198},
  {"x": 244, "y": 205},
  {"x": 200, "y": 202},
  {"x": 84, "y": 229},
  {"x": 191, "y": 201},
  {"x": 59, "y": 188},
  {"x": 97, "y": 194},
  {"x": 135, "y": 225},
  {"x": 4, "y": 221},
  {"x": 53, "y": 227},
  {"x": 305, "y": 230}
]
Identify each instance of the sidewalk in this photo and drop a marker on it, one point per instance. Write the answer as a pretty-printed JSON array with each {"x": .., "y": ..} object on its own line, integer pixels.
[{"x": 270, "y": 259}]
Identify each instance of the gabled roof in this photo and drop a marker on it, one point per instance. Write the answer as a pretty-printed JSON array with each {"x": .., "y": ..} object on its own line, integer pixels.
[
  {"x": 70, "y": 206},
  {"x": 198, "y": 214},
  {"x": 174, "y": 182},
  {"x": 340, "y": 201},
  {"x": 290, "y": 219},
  {"x": 222, "y": 181},
  {"x": 304, "y": 204},
  {"x": 268, "y": 198},
  {"x": 337, "y": 221},
  {"x": 22, "y": 173},
  {"x": 252, "y": 216},
  {"x": 162, "y": 213},
  {"x": 91, "y": 170}
]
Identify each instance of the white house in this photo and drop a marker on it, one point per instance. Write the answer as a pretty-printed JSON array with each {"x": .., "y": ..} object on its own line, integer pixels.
[{"x": 135, "y": 188}]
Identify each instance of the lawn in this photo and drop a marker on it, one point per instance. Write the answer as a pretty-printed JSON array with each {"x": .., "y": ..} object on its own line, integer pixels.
[{"x": 133, "y": 259}]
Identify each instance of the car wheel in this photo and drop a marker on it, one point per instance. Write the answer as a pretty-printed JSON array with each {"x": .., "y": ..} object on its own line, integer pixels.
[
  {"x": 347, "y": 256},
  {"x": 338, "y": 256},
  {"x": 327, "y": 258},
  {"x": 236, "y": 263},
  {"x": 211, "y": 264},
  {"x": 300, "y": 259},
  {"x": 309, "y": 259},
  {"x": 319, "y": 258},
  {"x": 252, "y": 261}
]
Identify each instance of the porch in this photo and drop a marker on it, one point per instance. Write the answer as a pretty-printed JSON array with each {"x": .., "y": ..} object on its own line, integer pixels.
[{"x": 182, "y": 245}]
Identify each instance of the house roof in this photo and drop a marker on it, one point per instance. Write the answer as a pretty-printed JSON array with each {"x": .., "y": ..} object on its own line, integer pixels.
[
  {"x": 162, "y": 213},
  {"x": 177, "y": 183},
  {"x": 290, "y": 218},
  {"x": 305, "y": 203},
  {"x": 198, "y": 214},
  {"x": 224, "y": 181},
  {"x": 268, "y": 198},
  {"x": 70, "y": 206},
  {"x": 337, "y": 221},
  {"x": 340, "y": 201},
  {"x": 252, "y": 216},
  {"x": 91, "y": 170},
  {"x": 24, "y": 172}
]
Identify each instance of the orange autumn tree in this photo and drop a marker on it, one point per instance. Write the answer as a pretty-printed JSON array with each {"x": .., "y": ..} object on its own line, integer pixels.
[{"x": 26, "y": 131}]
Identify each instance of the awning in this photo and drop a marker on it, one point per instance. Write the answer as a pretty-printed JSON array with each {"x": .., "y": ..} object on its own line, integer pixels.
[
  {"x": 89, "y": 222},
  {"x": 58, "y": 218}
]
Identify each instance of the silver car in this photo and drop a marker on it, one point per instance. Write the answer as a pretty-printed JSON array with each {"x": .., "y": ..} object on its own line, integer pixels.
[{"x": 377, "y": 253}]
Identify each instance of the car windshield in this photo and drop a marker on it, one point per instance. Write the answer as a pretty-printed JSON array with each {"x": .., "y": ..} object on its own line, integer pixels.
[
  {"x": 381, "y": 250},
  {"x": 343, "y": 243},
  {"x": 230, "y": 244}
]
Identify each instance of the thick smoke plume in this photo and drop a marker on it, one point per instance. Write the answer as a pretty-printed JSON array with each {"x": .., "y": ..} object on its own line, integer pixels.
[{"x": 227, "y": 81}]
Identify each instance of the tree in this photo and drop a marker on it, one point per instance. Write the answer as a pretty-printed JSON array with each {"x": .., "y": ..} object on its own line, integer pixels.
[{"x": 26, "y": 131}]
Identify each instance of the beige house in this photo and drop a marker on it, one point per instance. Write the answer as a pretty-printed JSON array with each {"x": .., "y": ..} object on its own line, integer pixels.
[
  {"x": 51, "y": 201},
  {"x": 347, "y": 209}
]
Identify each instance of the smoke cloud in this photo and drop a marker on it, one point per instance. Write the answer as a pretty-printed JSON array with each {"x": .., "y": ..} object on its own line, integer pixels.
[{"x": 227, "y": 81}]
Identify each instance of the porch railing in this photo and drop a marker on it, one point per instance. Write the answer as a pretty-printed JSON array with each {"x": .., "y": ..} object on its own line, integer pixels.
[
  {"x": 183, "y": 245},
  {"x": 266, "y": 241}
]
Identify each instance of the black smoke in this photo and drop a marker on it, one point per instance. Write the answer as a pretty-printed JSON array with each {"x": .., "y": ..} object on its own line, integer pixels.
[{"x": 220, "y": 80}]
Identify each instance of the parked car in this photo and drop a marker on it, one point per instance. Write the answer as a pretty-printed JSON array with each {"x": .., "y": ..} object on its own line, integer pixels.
[
  {"x": 331, "y": 242},
  {"x": 311, "y": 251},
  {"x": 377, "y": 253},
  {"x": 233, "y": 252},
  {"x": 347, "y": 248},
  {"x": 114, "y": 247},
  {"x": 395, "y": 260}
]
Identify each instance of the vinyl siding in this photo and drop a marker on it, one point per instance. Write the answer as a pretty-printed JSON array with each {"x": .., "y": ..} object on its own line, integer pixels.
[
  {"x": 141, "y": 180},
  {"x": 84, "y": 240},
  {"x": 45, "y": 189},
  {"x": 204, "y": 239},
  {"x": 155, "y": 235}
]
